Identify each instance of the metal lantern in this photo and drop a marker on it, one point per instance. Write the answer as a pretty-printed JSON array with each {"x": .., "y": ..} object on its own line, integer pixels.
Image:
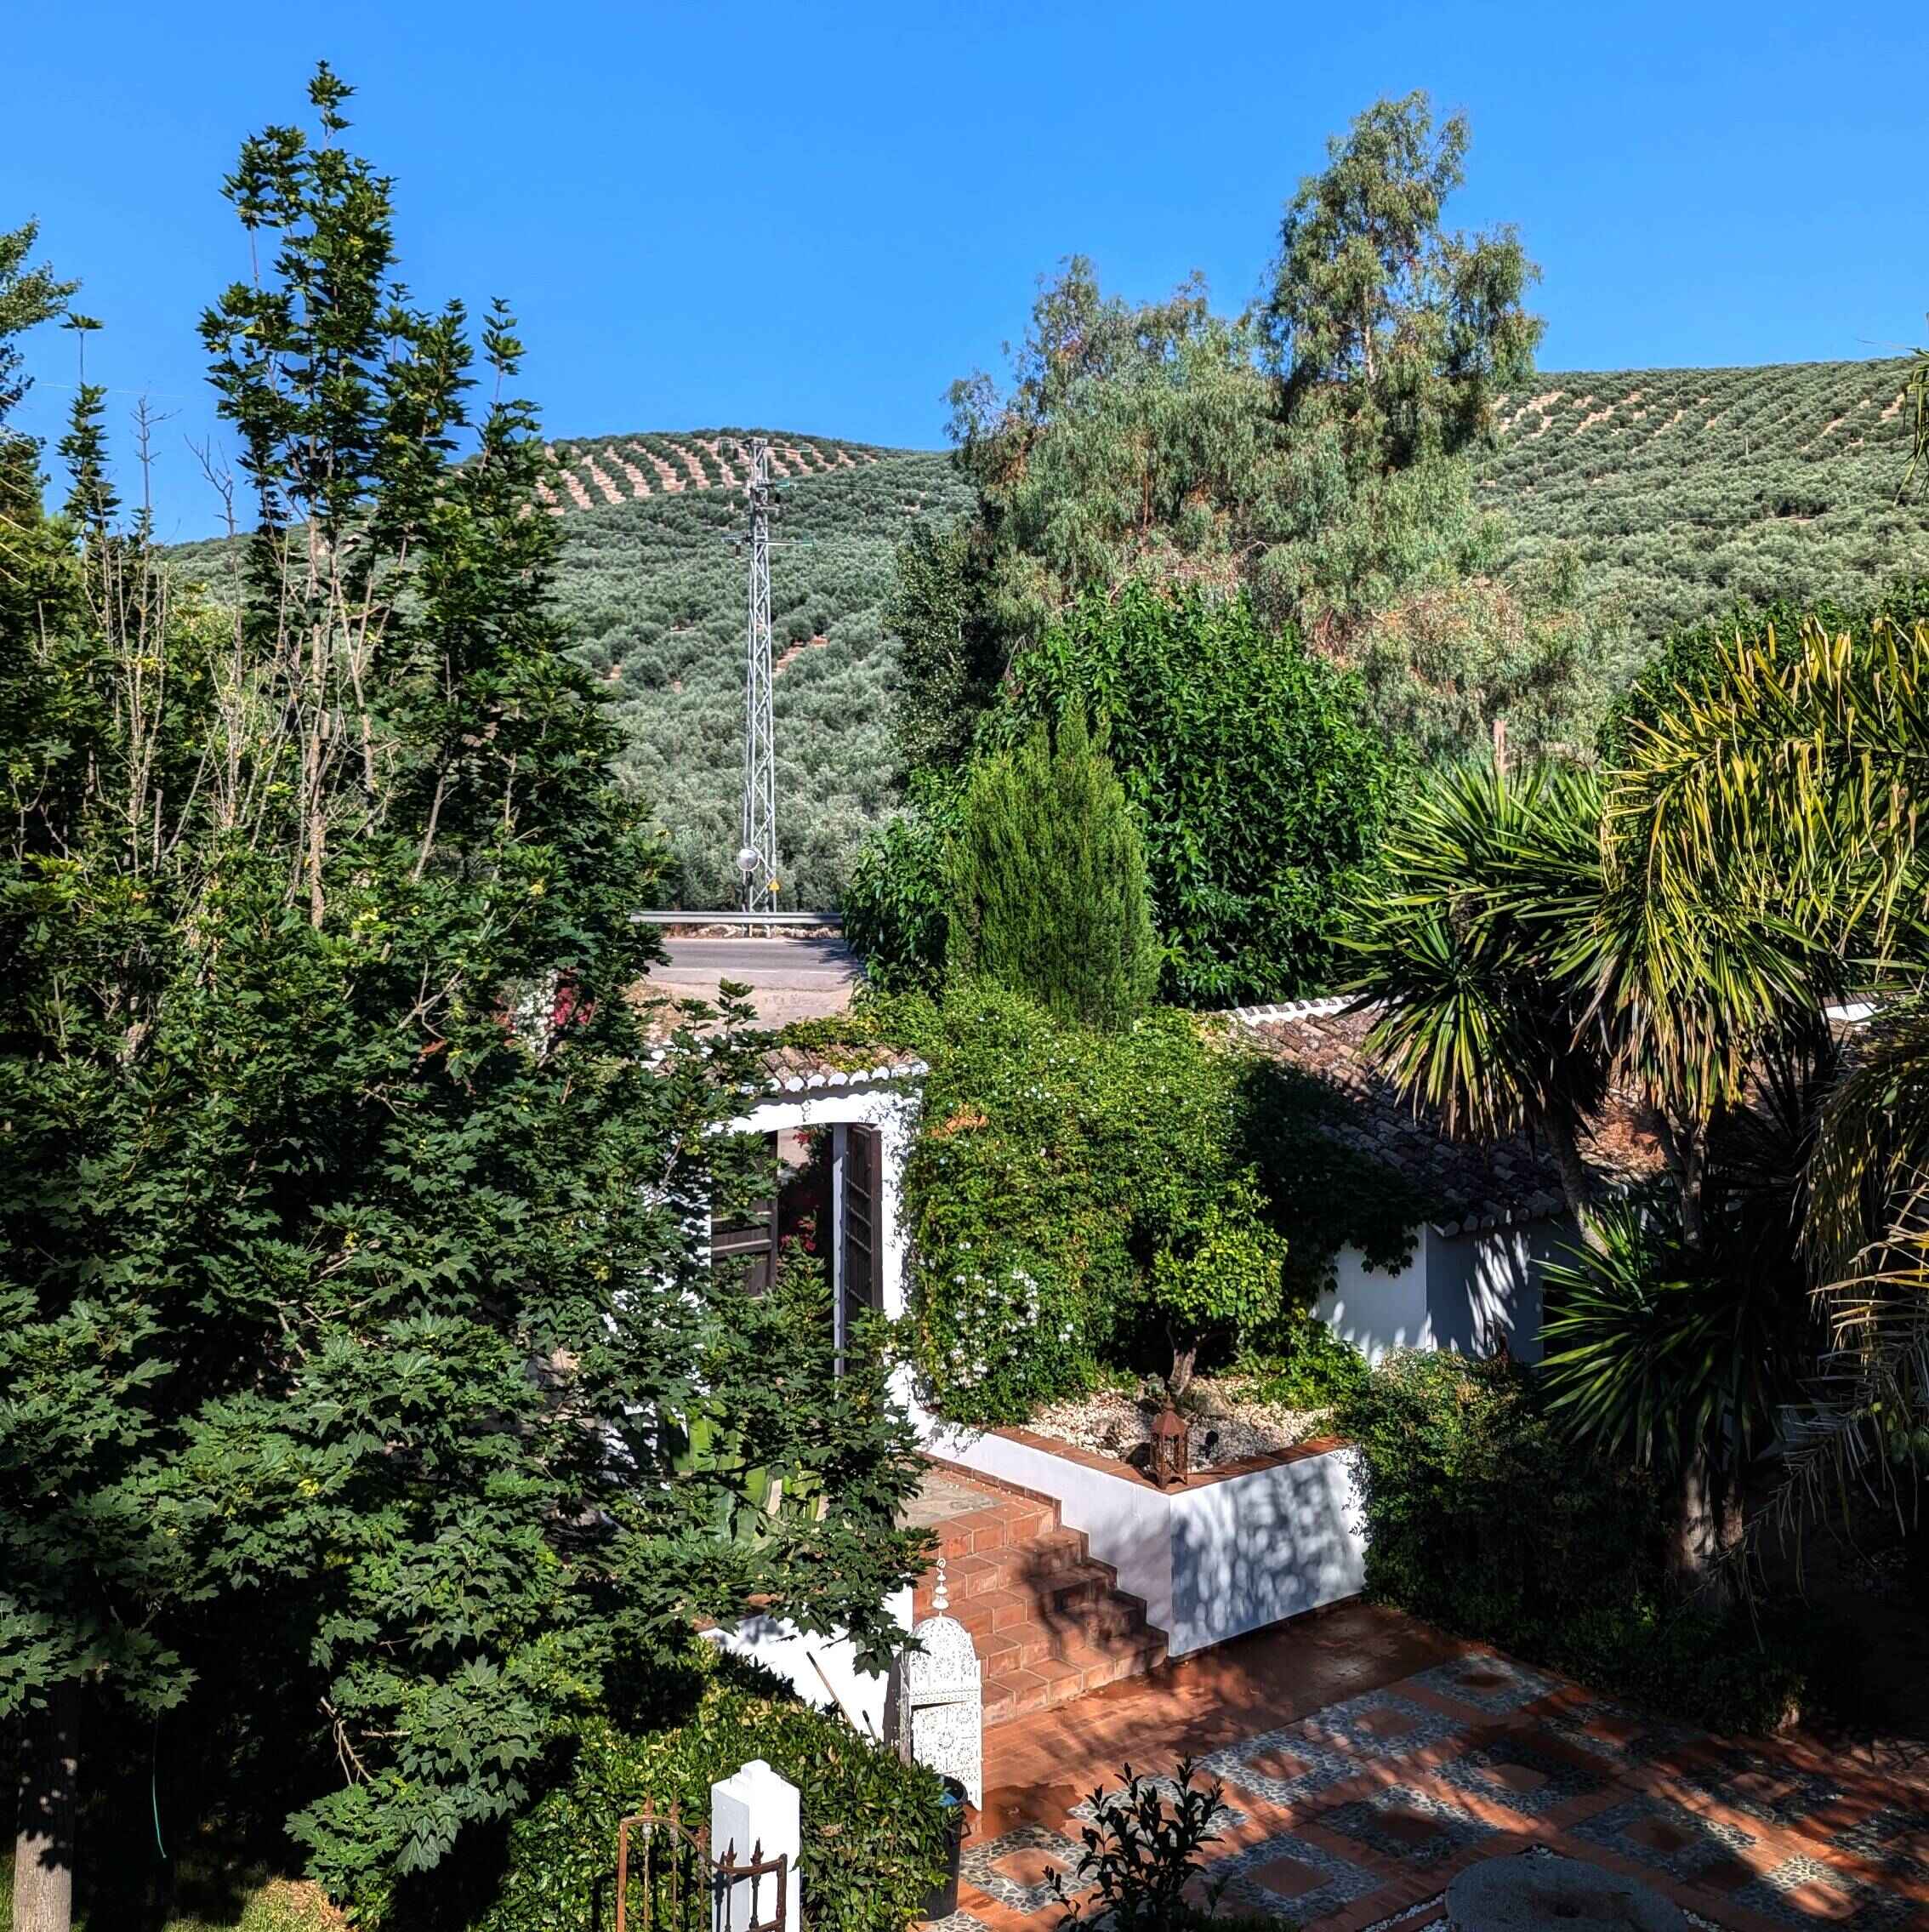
[
  {"x": 1171, "y": 1447},
  {"x": 942, "y": 1723}
]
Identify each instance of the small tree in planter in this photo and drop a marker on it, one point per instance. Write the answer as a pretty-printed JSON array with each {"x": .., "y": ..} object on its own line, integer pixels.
[{"x": 1224, "y": 1271}]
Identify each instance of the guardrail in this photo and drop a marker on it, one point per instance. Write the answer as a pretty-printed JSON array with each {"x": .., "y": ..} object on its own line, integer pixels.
[{"x": 786, "y": 919}]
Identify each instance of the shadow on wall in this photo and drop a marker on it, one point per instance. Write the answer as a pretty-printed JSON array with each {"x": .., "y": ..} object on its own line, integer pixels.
[
  {"x": 1254, "y": 1548},
  {"x": 1485, "y": 1290},
  {"x": 1467, "y": 1292}
]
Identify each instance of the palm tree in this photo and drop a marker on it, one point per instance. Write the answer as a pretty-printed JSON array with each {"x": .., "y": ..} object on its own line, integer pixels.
[
  {"x": 1522, "y": 972},
  {"x": 1796, "y": 785},
  {"x": 1684, "y": 1356},
  {"x": 1457, "y": 954}
]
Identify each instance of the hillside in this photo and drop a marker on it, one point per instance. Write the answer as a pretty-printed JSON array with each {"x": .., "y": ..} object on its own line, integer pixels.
[
  {"x": 1682, "y": 490},
  {"x": 655, "y": 584},
  {"x": 1687, "y": 489}
]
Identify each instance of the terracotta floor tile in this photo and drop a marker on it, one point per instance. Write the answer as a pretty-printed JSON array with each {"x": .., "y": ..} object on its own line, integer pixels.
[{"x": 1365, "y": 1758}]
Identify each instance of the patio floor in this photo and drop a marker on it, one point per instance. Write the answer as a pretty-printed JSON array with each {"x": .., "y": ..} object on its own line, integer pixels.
[{"x": 1366, "y": 1758}]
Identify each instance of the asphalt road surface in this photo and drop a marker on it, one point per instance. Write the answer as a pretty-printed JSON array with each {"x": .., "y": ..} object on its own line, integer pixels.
[{"x": 790, "y": 978}]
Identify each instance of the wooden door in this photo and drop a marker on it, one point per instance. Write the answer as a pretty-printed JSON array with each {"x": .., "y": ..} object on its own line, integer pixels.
[
  {"x": 753, "y": 1236},
  {"x": 862, "y": 1247}
]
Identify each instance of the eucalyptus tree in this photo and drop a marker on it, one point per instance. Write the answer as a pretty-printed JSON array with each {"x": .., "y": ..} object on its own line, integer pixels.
[
  {"x": 1314, "y": 452},
  {"x": 1391, "y": 337},
  {"x": 354, "y": 1338}
]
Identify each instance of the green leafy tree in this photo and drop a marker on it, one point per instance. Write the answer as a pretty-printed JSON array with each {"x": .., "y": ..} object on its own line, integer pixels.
[
  {"x": 896, "y": 901},
  {"x": 1316, "y": 453},
  {"x": 947, "y": 662},
  {"x": 352, "y": 1329},
  {"x": 1258, "y": 780},
  {"x": 1048, "y": 880},
  {"x": 1401, "y": 332},
  {"x": 1789, "y": 785},
  {"x": 1135, "y": 442}
]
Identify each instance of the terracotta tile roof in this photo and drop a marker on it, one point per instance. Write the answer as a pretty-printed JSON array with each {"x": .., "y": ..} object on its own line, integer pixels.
[
  {"x": 798, "y": 1069},
  {"x": 1471, "y": 1184}
]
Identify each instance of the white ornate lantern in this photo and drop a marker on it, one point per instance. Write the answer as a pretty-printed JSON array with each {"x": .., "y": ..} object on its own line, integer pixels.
[{"x": 942, "y": 1705}]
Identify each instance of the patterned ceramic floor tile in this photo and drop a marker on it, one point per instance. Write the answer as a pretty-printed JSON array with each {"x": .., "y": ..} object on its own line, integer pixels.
[
  {"x": 1804, "y": 1892},
  {"x": 1291, "y": 1878},
  {"x": 1740, "y": 1780},
  {"x": 1524, "y": 1772},
  {"x": 1496, "y": 1685},
  {"x": 1225, "y": 1816},
  {"x": 1894, "y": 1841},
  {"x": 1413, "y": 1828},
  {"x": 1663, "y": 1836},
  {"x": 1301, "y": 1760},
  {"x": 1014, "y": 1868},
  {"x": 1622, "y": 1737}
]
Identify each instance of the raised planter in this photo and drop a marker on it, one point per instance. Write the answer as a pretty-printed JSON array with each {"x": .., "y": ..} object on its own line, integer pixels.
[{"x": 1229, "y": 1551}]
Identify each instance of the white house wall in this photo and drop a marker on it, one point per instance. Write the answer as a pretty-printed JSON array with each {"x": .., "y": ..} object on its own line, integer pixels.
[
  {"x": 1467, "y": 1292},
  {"x": 890, "y": 1110},
  {"x": 822, "y": 1670},
  {"x": 1376, "y": 1311}
]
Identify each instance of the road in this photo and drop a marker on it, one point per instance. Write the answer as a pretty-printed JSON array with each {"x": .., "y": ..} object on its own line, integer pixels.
[{"x": 790, "y": 978}]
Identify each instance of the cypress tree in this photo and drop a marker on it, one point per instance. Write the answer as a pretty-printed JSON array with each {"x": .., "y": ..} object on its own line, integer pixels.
[{"x": 1048, "y": 880}]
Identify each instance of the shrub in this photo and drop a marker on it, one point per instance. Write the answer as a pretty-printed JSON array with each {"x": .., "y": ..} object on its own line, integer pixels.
[
  {"x": 1259, "y": 779},
  {"x": 1142, "y": 1852},
  {"x": 1300, "y": 1362},
  {"x": 894, "y": 903},
  {"x": 1048, "y": 880},
  {"x": 1077, "y": 1198},
  {"x": 1482, "y": 1516},
  {"x": 872, "y": 1826}
]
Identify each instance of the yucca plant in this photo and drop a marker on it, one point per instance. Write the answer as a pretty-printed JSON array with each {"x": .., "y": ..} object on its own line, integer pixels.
[
  {"x": 1794, "y": 783},
  {"x": 1459, "y": 952}
]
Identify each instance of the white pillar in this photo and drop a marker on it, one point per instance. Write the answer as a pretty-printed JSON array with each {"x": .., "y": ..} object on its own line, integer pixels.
[
  {"x": 753, "y": 1807},
  {"x": 840, "y": 1153}
]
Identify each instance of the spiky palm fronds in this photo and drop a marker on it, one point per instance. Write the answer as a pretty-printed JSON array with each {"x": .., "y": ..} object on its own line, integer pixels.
[
  {"x": 1792, "y": 791},
  {"x": 1486, "y": 871},
  {"x": 1661, "y": 1354}
]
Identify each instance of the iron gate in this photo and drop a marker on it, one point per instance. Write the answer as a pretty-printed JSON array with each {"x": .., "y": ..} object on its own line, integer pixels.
[{"x": 666, "y": 1876}]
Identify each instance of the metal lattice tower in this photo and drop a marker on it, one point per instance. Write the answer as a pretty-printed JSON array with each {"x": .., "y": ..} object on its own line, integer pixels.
[{"x": 757, "y": 857}]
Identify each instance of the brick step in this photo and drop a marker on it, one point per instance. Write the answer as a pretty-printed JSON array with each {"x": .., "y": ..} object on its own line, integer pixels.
[
  {"x": 1047, "y": 1618},
  {"x": 1018, "y": 1646},
  {"x": 998, "y": 1526},
  {"x": 1068, "y": 1595},
  {"x": 1024, "y": 1692},
  {"x": 1027, "y": 1566}
]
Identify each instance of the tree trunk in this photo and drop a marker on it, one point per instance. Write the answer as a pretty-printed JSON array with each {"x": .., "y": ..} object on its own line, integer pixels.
[
  {"x": 1181, "y": 1379},
  {"x": 1574, "y": 1182},
  {"x": 1704, "y": 1529},
  {"x": 43, "y": 1829}
]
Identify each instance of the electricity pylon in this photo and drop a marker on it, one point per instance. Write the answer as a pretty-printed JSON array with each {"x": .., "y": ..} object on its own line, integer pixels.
[{"x": 757, "y": 857}]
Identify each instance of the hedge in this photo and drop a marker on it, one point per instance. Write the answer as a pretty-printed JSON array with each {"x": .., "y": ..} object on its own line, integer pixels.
[
  {"x": 873, "y": 1832},
  {"x": 1483, "y": 1518}
]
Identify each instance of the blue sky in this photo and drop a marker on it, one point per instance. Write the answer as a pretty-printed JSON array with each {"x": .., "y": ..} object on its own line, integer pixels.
[{"x": 814, "y": 217}]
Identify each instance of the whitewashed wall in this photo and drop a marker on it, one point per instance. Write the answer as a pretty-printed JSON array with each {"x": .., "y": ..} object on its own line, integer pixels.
[
  {"x": 1210, "y": 1561},
  {"x": 1468, "y": 1292},
  {"x": 822, "y": 1670}
]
